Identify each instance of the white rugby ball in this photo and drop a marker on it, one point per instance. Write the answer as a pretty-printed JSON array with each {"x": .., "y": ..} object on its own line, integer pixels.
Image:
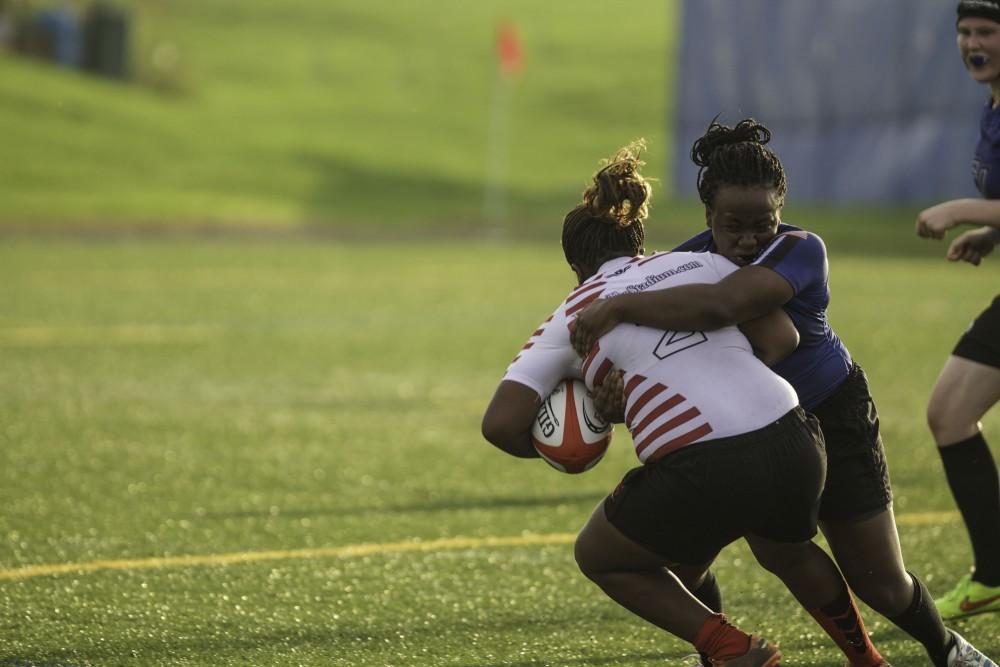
[{"x": 568, "y": 433}]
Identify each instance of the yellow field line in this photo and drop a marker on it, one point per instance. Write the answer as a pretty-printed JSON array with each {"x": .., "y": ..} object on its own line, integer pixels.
[
  {"x": 926, "y": 518},
  {"x": 352, "y": 551},
  {"x": 348, "y": 551}
]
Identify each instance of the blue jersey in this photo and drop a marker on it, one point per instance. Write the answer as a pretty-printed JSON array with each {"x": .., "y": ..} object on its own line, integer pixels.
[
  {"x": 986, "y": 163},
  {"x": 821, "y": 361}
]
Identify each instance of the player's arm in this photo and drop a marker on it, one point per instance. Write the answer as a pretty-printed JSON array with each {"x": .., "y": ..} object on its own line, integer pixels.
[
  {"x": 544, "y": 360},
  {"x": 509, "y": 417},
  {"x": 773, "y": 336},
  {"x": 609, "y": 398},
  {"x": 745, "y": 294},
  {"x": 935, "y": 221},
  {"x": 973, "y": 245}
]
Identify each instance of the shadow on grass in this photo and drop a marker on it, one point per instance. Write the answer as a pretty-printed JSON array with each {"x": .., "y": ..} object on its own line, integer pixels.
[
  {"x": 365, "y": 644},
  {"x": 367, "y": 198},
  {"x": 611, "y": 660},
  {"x": 451, "y": 505}
]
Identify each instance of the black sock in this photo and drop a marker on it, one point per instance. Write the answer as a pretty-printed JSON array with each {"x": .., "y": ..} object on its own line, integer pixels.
[
  {"x": 975, "y": 485},
  {"x": 922, "y": 621},
  {"x": 710, "y": 595}
]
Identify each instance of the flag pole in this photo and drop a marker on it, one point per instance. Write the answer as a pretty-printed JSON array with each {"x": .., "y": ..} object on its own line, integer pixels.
[{"x": 510, "y": 61}]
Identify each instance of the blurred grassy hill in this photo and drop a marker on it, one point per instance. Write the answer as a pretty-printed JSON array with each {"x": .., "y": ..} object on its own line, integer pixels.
[
  {"x": 335, "y": 112},
  {"x": 363, "y": 119}
]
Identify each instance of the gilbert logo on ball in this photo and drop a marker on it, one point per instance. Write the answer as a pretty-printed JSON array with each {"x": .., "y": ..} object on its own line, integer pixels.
[{"x": 568, "y": 433}]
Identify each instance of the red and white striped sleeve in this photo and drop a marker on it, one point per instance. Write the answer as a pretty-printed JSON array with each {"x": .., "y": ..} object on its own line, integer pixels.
[{"x": 547, "y": 357}]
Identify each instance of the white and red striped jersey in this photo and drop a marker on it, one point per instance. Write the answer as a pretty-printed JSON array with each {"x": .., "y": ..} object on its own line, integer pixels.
[{"x": 681, "y": 387}]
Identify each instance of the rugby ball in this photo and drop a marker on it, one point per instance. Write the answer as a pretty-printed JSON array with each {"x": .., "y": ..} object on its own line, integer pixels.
[{"x": 568, "y": 433}]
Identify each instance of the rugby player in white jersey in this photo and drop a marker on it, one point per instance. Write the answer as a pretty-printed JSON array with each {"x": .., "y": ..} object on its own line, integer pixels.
[{"x": 726, "y": 451}]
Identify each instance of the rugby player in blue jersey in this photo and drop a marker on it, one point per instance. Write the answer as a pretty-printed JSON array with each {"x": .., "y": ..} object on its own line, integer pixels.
[
  {"x": 742, "y": 184},
  {"x": 969, "y": 384},
  {"x": 690, "y": 436}
]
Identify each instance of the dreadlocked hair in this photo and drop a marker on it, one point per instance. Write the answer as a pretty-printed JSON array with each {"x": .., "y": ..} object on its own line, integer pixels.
[
  {"x": 609, "y": 221},
  {"x": 737, "y": 156}
]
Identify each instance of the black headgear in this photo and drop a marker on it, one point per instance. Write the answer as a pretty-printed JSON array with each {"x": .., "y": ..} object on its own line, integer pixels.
[{"x": 986, "y": 9}]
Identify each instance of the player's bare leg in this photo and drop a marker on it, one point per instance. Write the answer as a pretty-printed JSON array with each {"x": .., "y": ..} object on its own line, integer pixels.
[
  {"x": 811, "y": 576},
  {"x": 964, "y": 392},
  {"x": 869, "y": 555},
  {"x": 640, "y": 581}
]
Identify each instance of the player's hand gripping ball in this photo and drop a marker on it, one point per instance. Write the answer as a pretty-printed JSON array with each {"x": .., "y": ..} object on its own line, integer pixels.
[{"x": 568, "y": 431}]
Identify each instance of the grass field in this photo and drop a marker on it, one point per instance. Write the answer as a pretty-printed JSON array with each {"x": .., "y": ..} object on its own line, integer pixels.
[
  {"x": 240, "y": 426},
  {"x": 254, "y": 453}
]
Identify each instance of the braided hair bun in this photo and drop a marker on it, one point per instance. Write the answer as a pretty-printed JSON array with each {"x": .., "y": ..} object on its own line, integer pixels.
[
  {"x": 609, "y": 221},
  {"x": 737, "y": 156},
  {"x": 619, "y": 193}
]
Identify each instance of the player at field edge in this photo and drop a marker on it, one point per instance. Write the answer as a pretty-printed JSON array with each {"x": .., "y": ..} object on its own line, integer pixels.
[
  {"x": 742, "y": 184},
  {"x": 726, "y": 451},
  {"x": 969, "y": 384}
]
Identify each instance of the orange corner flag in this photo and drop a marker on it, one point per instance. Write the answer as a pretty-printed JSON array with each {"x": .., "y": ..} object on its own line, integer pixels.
[{"x": 510, "y": 54}]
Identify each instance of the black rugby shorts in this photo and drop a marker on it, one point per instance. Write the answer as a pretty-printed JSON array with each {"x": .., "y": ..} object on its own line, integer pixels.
[
  {"x": 691, "y": 503},
  {"x": 857, "y": 475},
  {"x": 981, "y": 343}
]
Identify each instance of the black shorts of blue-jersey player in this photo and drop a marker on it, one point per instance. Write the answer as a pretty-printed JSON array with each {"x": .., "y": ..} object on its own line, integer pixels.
[{"x": 742, "y": 185}]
